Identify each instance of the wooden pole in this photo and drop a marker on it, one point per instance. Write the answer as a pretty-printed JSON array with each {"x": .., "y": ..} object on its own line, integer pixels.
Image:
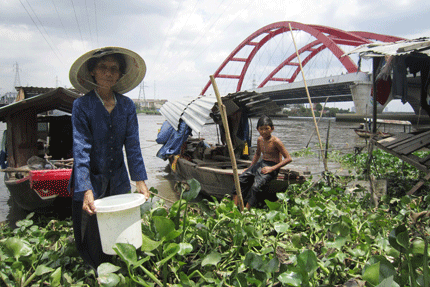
[
  {"x": 309, "y": 99},
  {"x": 376, "y": 62},
  {"x": 229, "y": 144},
  {"x": 322, "y": 111}
]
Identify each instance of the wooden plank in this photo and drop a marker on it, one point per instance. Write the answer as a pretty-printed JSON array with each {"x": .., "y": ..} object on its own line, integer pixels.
[
  {"x": 411, "y": 146},
  {"x": 413, "y": 138},
  {"x": 409, "y": 159},
  {"x": 419, "y": 184},
  {"x": 423, "y": 160},
  {"x": 390, "y": 141}
]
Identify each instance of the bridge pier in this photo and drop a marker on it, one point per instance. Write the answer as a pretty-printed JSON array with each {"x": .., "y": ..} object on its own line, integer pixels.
[{"x": 362, "y": 99}]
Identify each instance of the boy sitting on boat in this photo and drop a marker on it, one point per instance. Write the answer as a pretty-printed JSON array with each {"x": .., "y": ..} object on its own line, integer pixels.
[{"x": 275, "y": 156}]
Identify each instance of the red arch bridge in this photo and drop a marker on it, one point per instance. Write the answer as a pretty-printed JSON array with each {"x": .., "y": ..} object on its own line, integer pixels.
[{"x": 281, "y": 79}]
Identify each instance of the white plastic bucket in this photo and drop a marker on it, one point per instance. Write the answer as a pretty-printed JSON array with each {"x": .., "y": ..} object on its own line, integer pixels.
[{"x": 119, "y": 220}]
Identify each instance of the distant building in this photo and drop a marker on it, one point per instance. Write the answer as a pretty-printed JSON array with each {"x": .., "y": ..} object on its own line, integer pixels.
[
  {"x": 150, "y": 103},
  {"x": 8, "y": 98}
]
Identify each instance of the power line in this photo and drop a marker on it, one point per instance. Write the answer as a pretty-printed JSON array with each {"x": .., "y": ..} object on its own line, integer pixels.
[
  {"x": 168, "y": 31},
  {"x": 41, "y": 32},
  {"x": 95, "y": 20},
  {"x": 59, "y": 18},
  {"x": 88, "y": 18},
  {"x": 77, "y": 22}
]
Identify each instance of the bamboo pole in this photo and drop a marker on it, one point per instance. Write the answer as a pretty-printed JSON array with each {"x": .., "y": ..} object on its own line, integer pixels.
[
  {"x": 309, "y": 99},
  {"x": 229, "y": 144},
  {"x": 322, "y": 111}
]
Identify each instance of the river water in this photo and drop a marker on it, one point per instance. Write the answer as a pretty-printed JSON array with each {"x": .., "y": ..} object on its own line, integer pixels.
[{"x": 295, "y": 133}]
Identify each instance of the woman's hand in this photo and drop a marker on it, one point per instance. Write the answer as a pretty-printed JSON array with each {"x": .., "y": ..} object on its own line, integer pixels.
[
  {"x": 88, "y": 205},
  {"x": 142, "y": 188}
]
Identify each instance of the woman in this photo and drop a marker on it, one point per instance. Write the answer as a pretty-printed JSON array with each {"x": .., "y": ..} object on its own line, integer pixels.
[{"x": 104, "y": 122}]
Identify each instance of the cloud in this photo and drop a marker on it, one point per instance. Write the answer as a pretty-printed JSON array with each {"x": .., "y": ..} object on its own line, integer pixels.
[{"x": 182, "y": 42}]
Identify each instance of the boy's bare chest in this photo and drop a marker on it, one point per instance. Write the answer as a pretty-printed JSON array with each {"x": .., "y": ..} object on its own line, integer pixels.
[{"x": 269, "y": 149}]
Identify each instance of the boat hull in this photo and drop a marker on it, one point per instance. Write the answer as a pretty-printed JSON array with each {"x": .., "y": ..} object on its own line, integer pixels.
[
  {"x": 368, "y": 134},
  {"x": 218, "y": 180},
  {"x": 40, "y": 190}
]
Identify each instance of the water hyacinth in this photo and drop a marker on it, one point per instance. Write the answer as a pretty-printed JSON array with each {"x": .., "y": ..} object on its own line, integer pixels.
[{"x": 315, "y": 234}]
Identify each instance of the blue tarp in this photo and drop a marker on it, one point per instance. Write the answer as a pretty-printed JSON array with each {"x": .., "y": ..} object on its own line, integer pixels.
[{"x": 171, "y": 139}]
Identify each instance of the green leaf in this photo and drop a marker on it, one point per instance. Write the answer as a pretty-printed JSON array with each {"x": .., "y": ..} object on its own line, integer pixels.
[
  {"x": 148, "y": 244},
  {"x": 388, "y": 282},
  {"x": 418, "y": 246},
  {"x": 194, "y": 190},
  {"x": 272, "y": 266},
  {"x": 171, "y": 250},
  {"x": 185, "y": 248},
  {"x": 56, "y": 277},
  {"x": 15, "y": 247},
  {"x": 379, "y": 269},
  {"x": 307, "y": 261},
  {"x": 338, "y": 243},
  {"x": 163, "y": 226},
  {"x": 254, "y": 261},
  {"x": 281, "y": 227},
  {"x": 395, "y": 241},
  {"x": 371, "y": 274},
  {"x": 126, "y": 252},
  {"x": 212, "y": 259},
  {"x": 185, "y": 281},
  {"x": 106, "y": 268},
  {"x": 109, "y": 280},
  {"x": 42, "y": 269},
  {"x": 273, "y": 205},
  {"x": 403, "y": 240},
  {"x": 174, "y": 209},
  {"x": 160, "y": 211},
  {"x": 291, "y": 278}
]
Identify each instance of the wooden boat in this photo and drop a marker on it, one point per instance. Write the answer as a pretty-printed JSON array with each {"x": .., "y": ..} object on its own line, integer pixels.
[
  {"x": 39, "y": 147},
  {"x": 368, "y": 134},
  {"x": 210, "y": 165},
  {"x": 215, "y": 173}
]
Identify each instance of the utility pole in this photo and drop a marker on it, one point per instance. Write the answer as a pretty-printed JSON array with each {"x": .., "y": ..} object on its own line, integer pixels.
[
  {"x": 17, "y": 82},
  {"x": 142, "y": 94}
]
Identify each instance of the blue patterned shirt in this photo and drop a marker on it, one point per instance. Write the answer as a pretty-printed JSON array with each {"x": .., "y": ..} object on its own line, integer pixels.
[{"x": 98, "y": 141}]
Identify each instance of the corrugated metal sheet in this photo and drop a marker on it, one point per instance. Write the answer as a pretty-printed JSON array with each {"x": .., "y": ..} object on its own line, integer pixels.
[
  {"x": 254, "y": 104},
  {"x": 420, "y": 45},
  {"x": 195, "y": 112},
  {"x": 172, "y": 111}
]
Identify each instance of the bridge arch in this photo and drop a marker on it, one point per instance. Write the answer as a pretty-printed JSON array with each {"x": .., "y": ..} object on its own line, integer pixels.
[{"x": 325, "y": 38}]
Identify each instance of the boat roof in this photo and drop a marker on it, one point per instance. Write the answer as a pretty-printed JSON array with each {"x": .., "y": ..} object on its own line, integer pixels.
[
  {"x": 58, "y": 98},
  {"x": 195, "y": 112},
  {"x": 399, "y": 48}
]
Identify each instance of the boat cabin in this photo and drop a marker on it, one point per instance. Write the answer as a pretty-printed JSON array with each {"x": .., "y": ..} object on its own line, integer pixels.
[{"x": 39, "y": 123}]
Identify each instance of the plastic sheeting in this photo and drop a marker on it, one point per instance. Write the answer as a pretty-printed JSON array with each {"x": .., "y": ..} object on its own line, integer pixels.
[{"x": 172, "y": 139}]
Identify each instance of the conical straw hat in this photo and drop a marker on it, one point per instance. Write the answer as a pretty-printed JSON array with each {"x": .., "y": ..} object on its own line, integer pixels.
[{"x": 135, "y": 70}]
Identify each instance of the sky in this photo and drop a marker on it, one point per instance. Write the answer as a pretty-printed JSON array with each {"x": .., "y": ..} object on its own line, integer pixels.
[{"x": 183, "y": 42}]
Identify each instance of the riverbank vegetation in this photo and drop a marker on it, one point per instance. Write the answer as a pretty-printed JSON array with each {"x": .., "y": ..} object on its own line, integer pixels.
[
  {"x": 148, "y": 111},
  {"x": 298, "y": 110},
  {"x": 318, "y": 233}
]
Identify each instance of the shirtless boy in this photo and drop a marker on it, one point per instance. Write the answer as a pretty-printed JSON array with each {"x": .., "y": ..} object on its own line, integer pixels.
[{"x": 275, "y": 156}]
